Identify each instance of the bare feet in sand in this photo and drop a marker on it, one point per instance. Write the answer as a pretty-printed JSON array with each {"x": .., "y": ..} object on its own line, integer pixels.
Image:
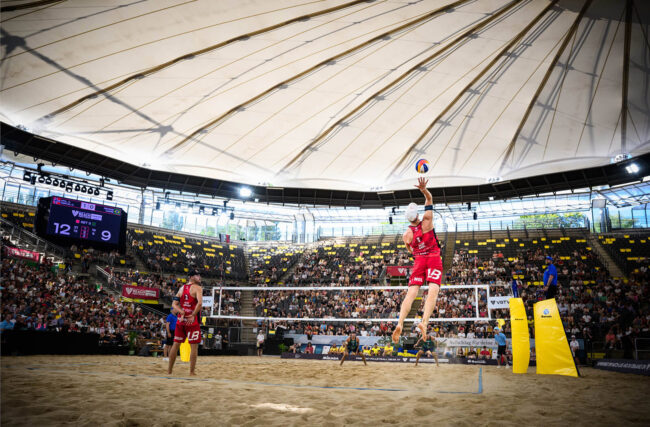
[{"x": 396, "y": 334}]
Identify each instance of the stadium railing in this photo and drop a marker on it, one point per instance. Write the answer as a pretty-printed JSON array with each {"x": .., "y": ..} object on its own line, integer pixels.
[{"x": 31, "y": 241}]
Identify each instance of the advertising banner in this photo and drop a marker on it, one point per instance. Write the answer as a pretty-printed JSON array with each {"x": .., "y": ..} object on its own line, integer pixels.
[
  {"x": 22, "y": 253},
  {"x": 641, "y": 367},
  {"x": 140, "y": 294},
  {"x": 390, "y": 359},
  {"x": 397, "y": 271},
  {"x": 498, "y": 302},
  {"x": 553, "y": 353},
  {"x": 208, "y": 301}
]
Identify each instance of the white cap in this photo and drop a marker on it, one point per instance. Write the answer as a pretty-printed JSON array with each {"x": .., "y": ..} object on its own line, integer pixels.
[{"x": 412, "y": 212}]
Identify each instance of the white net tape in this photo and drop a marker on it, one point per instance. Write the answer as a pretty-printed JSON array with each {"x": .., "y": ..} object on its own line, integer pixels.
[{"x": 218, "y": 296}]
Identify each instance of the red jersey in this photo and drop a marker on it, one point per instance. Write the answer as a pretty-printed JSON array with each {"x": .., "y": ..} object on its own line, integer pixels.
[
  {"x": 188, "y": 303},
  {"x": 424, "y": 244}
]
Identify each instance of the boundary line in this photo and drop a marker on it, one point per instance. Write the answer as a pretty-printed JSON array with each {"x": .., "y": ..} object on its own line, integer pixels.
[{"x": 36, "y": 368}]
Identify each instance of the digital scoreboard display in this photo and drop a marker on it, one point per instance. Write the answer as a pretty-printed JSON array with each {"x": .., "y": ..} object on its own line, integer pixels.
[{"x": 68, "y": 221}]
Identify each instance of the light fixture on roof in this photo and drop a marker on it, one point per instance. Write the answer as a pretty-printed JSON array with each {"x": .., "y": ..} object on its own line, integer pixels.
[
  {"x": 245, "y": 192},
  {"x": 494, "y": 179},
  {"x": 620, "y": 157},
  {"x": 632, "y": 168},
  {"x": 491, "y": 198}
]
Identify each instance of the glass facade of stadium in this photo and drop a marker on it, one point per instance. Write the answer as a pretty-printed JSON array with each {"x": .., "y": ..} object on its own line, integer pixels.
[{"x": 626, "y": 207}]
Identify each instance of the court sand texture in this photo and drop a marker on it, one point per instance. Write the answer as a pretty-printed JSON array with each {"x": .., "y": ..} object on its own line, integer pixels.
[{"x": 122, "y": 390}]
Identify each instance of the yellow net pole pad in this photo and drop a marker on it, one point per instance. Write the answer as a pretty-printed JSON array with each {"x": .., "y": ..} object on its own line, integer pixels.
[
  {"x": 520, "y": 336},
  {"x": 551, "y": 344}
]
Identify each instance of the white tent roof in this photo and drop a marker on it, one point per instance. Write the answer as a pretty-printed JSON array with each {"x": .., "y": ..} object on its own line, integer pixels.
[{"x": 348, "y": 97}]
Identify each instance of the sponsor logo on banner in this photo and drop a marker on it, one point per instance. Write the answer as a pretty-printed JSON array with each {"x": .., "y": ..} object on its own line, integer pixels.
[
  {"x": 467, "y": 342},
  {"x": 22, "y": 253},
  {"x": 140, "y": 292},
  {"x": 392, "y": 359},
  {"x": 641, "y": 367},
  {"x": 208, "y": 301},
  {"x": 498, "y": 302},
  {"x": 397, "y": 271}
]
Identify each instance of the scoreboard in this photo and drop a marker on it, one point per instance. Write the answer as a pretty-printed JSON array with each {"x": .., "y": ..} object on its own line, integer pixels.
[{"x": 67, "y": 221}]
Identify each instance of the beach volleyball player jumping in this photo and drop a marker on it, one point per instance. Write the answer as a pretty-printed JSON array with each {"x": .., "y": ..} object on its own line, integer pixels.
[
  {"x": 421, "y": 241},
  {"x": 187, "y": 305}
]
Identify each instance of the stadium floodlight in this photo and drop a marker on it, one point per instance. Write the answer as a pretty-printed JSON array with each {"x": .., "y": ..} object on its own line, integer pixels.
[
  {"x": 632, "y": 168},
  {"x": 245, "y": 192},
  {"x": 620, "y": 157},
  {"x": 109, "y": 195}
]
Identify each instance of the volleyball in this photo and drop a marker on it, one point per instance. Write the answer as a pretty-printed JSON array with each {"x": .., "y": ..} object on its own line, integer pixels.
[{"x": 422, "y": 166}]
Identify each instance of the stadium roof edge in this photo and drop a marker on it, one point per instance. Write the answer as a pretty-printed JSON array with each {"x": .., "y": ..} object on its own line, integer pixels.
[{"x": 26, "y": 143}]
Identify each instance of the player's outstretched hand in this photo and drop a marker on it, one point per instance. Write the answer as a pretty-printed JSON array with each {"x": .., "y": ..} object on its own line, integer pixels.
[{"x": 422, "y": 184}]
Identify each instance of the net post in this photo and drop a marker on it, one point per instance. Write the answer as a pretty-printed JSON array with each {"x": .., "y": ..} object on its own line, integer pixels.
[
  {"x": 212, "y": 306},
  {"x": 487, "y": 297},
  {"x": 220, "y": 293}
]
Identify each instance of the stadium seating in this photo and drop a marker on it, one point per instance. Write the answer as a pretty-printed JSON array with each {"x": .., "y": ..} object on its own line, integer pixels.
[
  {"x": 21, "y": 217},
  {"x": 37, "y": 298},
  {"x": 168, "y": 253},
  {"x": 630, "y": 251},
  {"x": 593, "y": 304},
  {"x": 523, "y": 258},
  {"x": 268, "y": 264}
]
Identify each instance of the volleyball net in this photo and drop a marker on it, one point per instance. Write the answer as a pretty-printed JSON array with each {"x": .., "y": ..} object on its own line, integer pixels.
[{"x": 362, "y": 304}]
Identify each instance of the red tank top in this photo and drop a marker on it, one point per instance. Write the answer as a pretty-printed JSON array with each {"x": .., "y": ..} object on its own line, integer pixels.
[
  {"x": 188, "y": 303},
  {"x": 424, "y": 244}
]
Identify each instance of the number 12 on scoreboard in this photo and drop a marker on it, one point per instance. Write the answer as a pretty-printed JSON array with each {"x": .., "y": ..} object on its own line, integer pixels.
[{"x": 63, "y": 229}]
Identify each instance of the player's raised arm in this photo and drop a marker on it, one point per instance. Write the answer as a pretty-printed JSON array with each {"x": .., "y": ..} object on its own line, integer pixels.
[
  {"x": 407, "y": 237},
  {"x": 427, "y": 218}
]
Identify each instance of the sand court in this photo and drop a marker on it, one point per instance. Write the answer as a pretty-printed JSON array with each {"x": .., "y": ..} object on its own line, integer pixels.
[{"x": 119, "y": 390}]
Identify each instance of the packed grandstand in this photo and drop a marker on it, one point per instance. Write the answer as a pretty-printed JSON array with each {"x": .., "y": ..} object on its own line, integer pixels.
[{"x": 606, "y": 312}]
